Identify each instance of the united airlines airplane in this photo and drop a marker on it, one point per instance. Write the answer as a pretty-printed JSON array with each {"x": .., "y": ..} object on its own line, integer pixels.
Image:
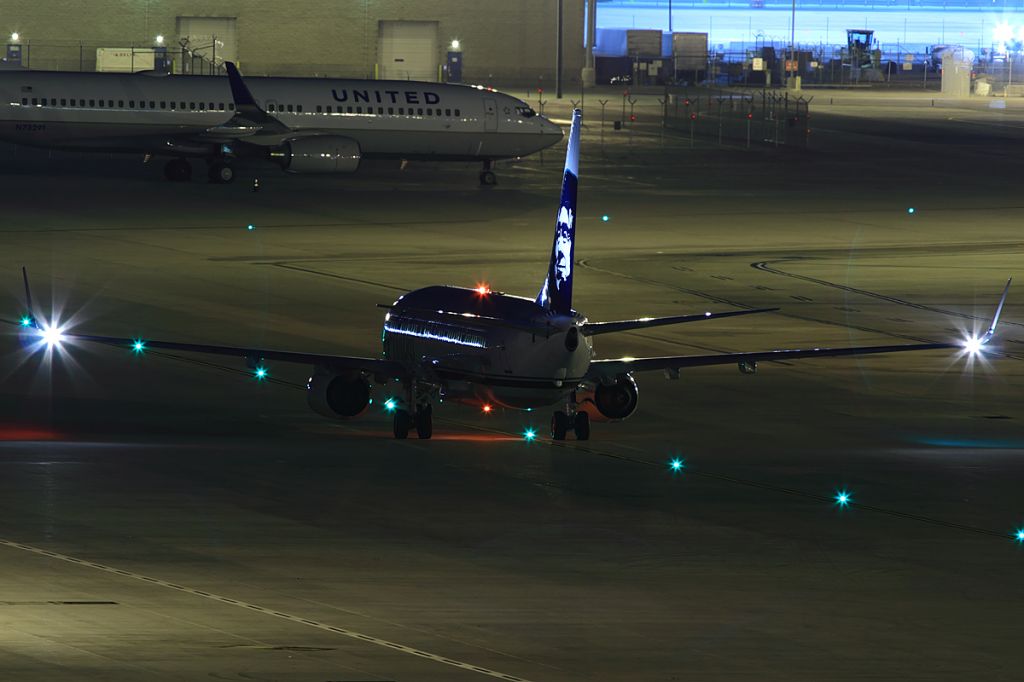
[
  {"x": 308, "y": 125},
  {"x": 487, "y": 348}
]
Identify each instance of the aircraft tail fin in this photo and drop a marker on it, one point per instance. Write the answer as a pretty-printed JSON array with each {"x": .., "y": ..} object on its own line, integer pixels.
[{"x": 556, "y": 293}]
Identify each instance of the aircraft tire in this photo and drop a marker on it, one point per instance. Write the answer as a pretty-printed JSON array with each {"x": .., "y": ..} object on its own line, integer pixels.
[
  {"x": 581, "y": 425},
  {"x": 221, "y": 173},
  {"x": 488, "y": 178},
  {"x": 178, "y": 170},
  {"x": 402, "y": 423},
  {"x": 424, "y": 422},
  {"x": 559, "y": 425}
]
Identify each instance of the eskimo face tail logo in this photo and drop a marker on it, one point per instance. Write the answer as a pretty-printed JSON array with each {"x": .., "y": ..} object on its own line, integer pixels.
[
  {"x": 556, "y": 294},
  {"x": 559, "y": 284}
]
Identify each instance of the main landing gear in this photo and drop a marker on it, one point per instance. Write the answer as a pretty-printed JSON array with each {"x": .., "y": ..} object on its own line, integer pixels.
[
  {"x": 178, "y": 170},
  {"x": 422, "y": 418},
  {"x": 579, "y": 422},
  {"x": 487, "y": 176},
  {"x": 221, "y": 172}
]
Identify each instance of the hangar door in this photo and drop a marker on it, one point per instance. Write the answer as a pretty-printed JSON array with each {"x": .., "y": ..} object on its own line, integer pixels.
[
  {"x": 211, "y": 38},
  {"x": 407, "y": 50}
]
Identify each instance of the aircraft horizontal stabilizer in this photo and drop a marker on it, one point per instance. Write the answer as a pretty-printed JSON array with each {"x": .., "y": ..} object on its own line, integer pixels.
[{"x": 593, "y": 328}]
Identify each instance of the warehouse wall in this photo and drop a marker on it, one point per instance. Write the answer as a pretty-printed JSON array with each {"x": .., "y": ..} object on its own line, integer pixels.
[{"x": 503, "y": 41}]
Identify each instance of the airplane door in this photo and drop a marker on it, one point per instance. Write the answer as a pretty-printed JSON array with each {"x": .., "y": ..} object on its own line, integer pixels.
[{"x": 490, "y": 114}]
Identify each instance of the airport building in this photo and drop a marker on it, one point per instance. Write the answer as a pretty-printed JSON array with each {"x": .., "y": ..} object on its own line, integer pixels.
[{"x": 497, "y": 41}]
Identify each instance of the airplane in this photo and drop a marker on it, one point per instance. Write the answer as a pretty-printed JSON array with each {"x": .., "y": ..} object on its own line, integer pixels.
[
  {"x": 306, "y": 125},
  {"x": 488, "y": 349}
]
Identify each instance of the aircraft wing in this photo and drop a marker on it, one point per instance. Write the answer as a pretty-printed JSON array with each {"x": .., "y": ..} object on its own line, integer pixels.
[
  {"x": 249, "y": 119},
  {"x": 609, "y": 369},
  {"x": 592, "y": 328},
  {"x": 381, "y": 370}
]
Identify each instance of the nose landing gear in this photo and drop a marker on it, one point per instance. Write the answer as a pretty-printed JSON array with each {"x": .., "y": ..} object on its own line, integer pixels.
[{"x": 487, "y": 176}]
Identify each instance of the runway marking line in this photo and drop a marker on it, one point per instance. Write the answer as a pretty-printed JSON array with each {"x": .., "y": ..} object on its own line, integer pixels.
[{"x": 256, "y": 607}]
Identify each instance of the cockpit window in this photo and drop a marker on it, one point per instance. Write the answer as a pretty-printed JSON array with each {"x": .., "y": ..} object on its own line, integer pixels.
[{"x": 525, "y": 111}]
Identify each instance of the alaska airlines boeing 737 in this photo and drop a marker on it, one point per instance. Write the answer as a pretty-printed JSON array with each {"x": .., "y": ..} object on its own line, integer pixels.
[
  {"x": 307, "y": 125},
  {"x": 488, "y": 348}
]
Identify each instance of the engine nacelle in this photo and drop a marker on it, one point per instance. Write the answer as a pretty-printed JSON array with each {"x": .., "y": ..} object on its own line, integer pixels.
[
  {"x": 337, "y": 395},
  {"x": 610, "y": 402},
  {"x": 318, "y": 154}
]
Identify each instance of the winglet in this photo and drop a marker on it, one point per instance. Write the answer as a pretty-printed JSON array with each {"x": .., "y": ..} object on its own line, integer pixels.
[
  {"x": 239, "y": 90},
  {"x": 995, "y": 318},
  {"x": 29, "y": 319}
]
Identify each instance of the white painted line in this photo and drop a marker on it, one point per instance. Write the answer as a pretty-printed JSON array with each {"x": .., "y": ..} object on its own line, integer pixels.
[{"x": 270, "y": 612}]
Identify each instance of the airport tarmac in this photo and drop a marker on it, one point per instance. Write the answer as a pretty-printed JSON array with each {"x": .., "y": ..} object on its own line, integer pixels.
[{"x": 165, "y": 517}]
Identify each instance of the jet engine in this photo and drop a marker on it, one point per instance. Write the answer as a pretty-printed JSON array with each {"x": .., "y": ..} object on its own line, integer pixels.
[
  {"x": 610, "y": 402},
  {"x": 337, "y": 395},
  {"x": 318, "y": 154}
]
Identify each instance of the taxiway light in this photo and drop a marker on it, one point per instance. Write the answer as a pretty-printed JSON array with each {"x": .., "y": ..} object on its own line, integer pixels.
[
  {"x": 604, "y": 218},
  {"x": 1019, "y": 535},
  {"x": 842, "y": 498},
  {"x": 26, "y": 321},
  {"x": 676, "y": 464},
  {"x": 138, "y": 345},
  {"x": 910, "y": 210},
  {"x": 390, "y": 405},
  {"x": 261, "y": 373},
  {"x": 529, "y": 434},
  {"x": 250, "y": 227}
]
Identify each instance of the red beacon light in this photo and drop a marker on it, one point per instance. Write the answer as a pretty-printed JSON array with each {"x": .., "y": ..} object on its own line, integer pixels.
[
  {"x": 482, "y": 289},
  {"x": 486, "y": 409}
]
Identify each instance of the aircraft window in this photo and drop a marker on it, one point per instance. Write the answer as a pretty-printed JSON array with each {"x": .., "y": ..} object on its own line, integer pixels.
[
  {"x": 419, "y": 112},
  {"x": 211, "y": 107},
  {"x": 350, "y": 110},
  {"x": 152, "y": 104},
  {"x": 192, "y": 106},
  {"x": 182, "y": 105},
  {"x": 92, "y": 103},
  {"x": 202, "y": 106},
  {"x": 380, "y": 110},
  {"x": 63, "y": 102},
  {"x": 391, "y": 111},
  {"x": 142, "y": 104},
  {"x": 24, "y": 100},
  {"x": 53, "y": 101},
  {"x": 120, "y": 103},
  {"x": 291, "y": 108},
  {"x": 270, "y": 107},
  {"x": 457, "y": 113},
  {"x": 329, "y": 109},
  {"x": 131, "y": 104},
  {"x": 298, "y": 108},
  {"x": 172, "y": 106},
  {"x": 319, "y": 109},
  {"x": 526, "y": 112},
  {"x": 220, "y": 106},
  {"x": 163, "y": 104},
  {"x": 110, "y": 103},
  {"x": 401, "y": 111},
  {"x": 359, "y": 110},
  {"x": 101, "y": 104},
  {"x": 447, "y": 112}
]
